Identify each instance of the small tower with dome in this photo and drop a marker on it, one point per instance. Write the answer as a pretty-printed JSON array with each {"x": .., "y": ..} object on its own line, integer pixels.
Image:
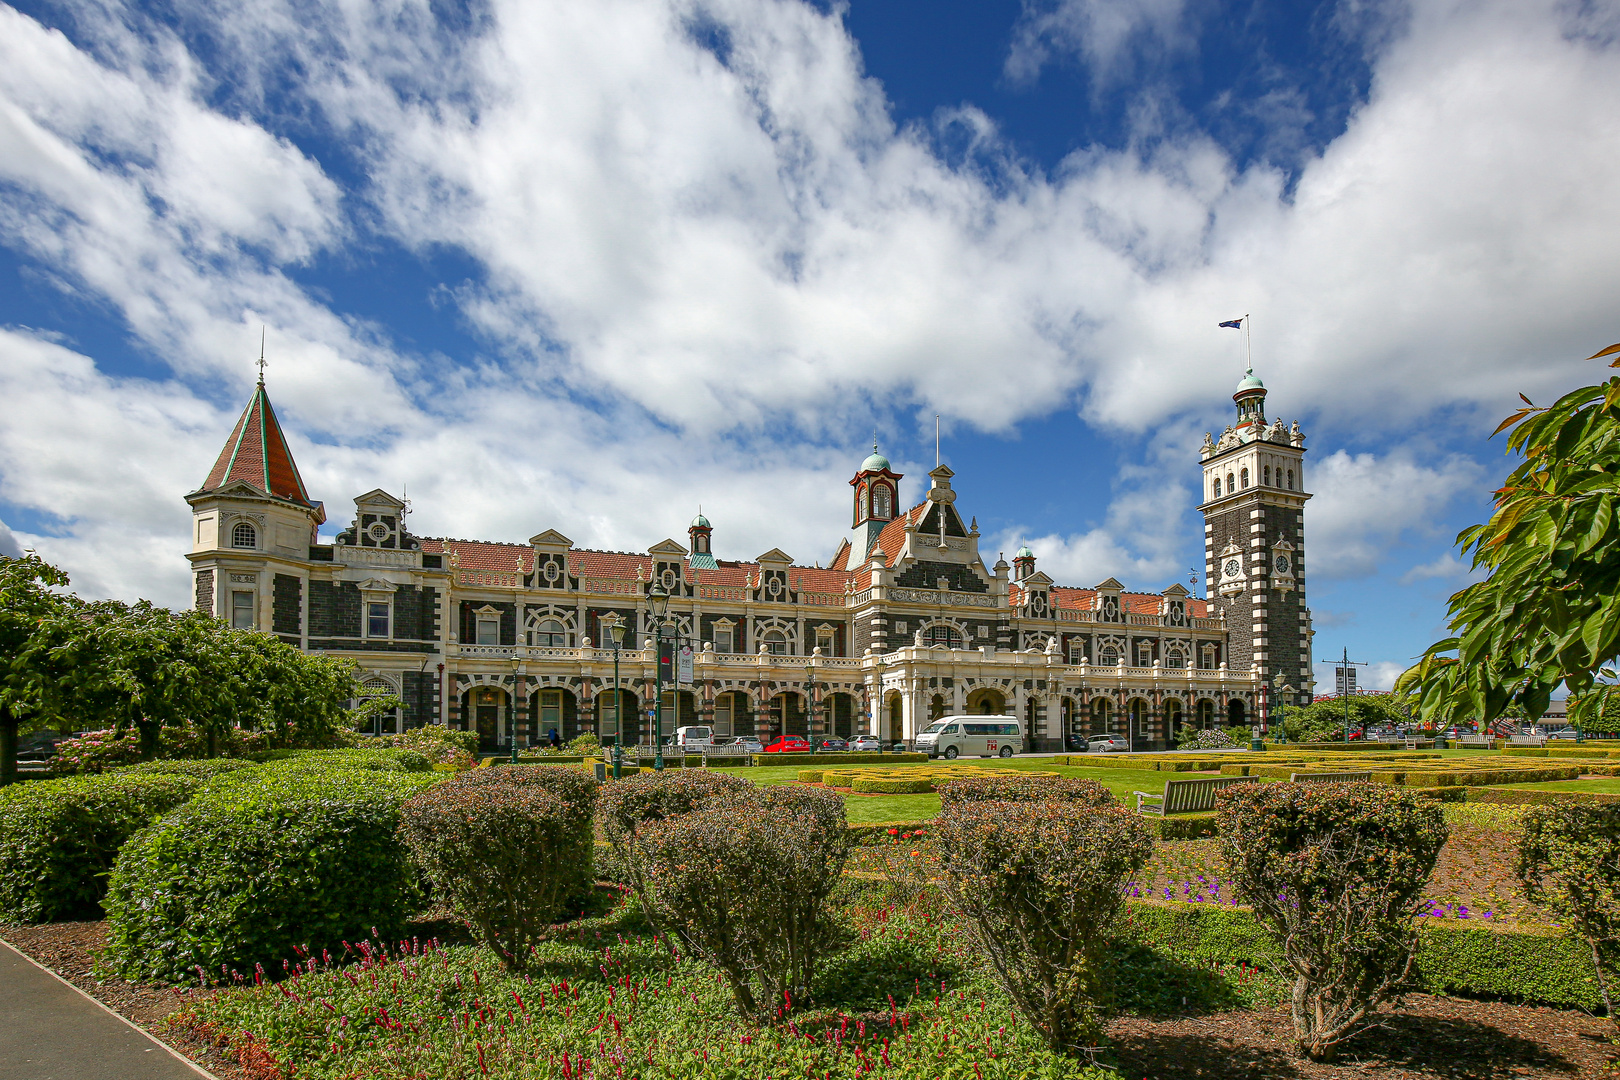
[
  {"x": 701, "y": 535},
  {"x": 877, "y": 501}
]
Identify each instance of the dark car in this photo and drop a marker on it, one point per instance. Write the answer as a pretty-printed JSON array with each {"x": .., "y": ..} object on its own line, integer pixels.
[
  {"x": 832, "y": 745},
  {"x": 788, "y": 744}
]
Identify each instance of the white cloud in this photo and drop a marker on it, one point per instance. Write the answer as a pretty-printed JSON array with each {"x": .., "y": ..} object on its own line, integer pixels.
[
  {"x": 1101, "y": 32},
  {"x": 1445, "y": 567},
  {"x": 9, "y": 547},
  {"x": 729, "y": 265},
  {"x": 1364, "y": 503}
]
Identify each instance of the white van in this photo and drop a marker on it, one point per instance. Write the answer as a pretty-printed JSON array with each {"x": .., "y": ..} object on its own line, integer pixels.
[
  {"x": 694, "y": 739},
  {"x": 972, "y": 736}
]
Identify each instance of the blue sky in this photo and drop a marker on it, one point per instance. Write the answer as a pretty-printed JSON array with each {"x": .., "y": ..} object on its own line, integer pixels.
[{"x": 587, "y": 265}]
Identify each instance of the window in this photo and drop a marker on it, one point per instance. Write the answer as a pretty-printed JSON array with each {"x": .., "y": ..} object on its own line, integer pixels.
[
  {"x": 1230, "y": 486},
  {"x": 723, "y": 640},
  {"x": 1290, "y": 479},
  {"x": 244, "y": 536},
  {"x": 242, "y": 610},
  {"x": 489, "y": 630},
  {"x": 776, "y": 643},
  {"x": 1108, "y": 656},
  {"x": 551, "y": 712},
  {"x": 824, "y": 642},
  {"x": 882, "y": 502},
  {"x": 1173, "y": 659},
  {"x": 1077, "y": 652},
  {"x": 940, "y": 634},
  {"x": 551, "y": 635},
  {"x": 1243, "y": 477},
  {"x": 722, "y": 712},
  {"x": 377, "y": 619},
  {"x": 1267, "y": 474},
  {"x": 1144, "y": 656},
  {"x": 1217, "y": 487},
  {"x": 1206, "y": 658}
]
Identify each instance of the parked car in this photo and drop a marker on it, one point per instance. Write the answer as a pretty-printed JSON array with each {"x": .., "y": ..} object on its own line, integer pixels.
[
  {"x": 693, "y": 740},
  {"x": 749, "y": 744},
  {"x": 1567, "y": 733},
  {"x": 866, "y": 744},
  {"x": 788, "y": 744},
  {"x": 832, "y": 745},
  {"x": 973, "y": 736},
  {"x": 1103, "y": 744}
]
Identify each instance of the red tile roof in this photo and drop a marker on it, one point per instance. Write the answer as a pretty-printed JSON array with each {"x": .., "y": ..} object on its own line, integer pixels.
[{"x": 257, "y": 453}]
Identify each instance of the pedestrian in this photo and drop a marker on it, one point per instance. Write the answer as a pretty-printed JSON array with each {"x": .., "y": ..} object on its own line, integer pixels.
[{"x": 555, "y": 739}]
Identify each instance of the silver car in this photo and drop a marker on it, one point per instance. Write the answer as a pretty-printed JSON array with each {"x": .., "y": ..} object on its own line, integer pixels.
[
  {"x": 1102, "y": 744},
  {"x": 866, "y": 743}
]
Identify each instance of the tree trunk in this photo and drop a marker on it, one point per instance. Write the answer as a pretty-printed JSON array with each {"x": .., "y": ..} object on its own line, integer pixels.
[
  {"x": 8, "y": 747},
  {"x": 213, "y": 742}
]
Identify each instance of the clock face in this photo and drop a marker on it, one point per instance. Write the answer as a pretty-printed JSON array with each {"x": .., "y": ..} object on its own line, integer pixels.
[
  {"x": 1233, "y": 567},
  {"x": 1282, "y": 564}
]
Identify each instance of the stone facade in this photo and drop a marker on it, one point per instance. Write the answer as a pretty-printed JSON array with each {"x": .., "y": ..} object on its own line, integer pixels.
[{"x": 904, "y": 622}]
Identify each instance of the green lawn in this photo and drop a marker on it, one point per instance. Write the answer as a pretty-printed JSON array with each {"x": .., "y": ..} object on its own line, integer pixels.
[{"x": 1607, "y": 783}]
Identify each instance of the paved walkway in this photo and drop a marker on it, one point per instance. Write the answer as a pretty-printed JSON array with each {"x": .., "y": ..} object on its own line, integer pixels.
[{"x": 49, "y": 1030}]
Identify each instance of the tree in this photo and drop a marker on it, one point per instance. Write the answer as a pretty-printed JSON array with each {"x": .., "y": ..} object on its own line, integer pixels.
[
  {"x": 29, "y": 616},
  {"x": 1549, "y": 611},
  {"x": 1323, "y": 721}
]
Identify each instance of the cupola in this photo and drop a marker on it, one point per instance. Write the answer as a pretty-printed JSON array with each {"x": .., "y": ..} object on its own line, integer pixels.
[
  {"x": 1251, "y": 400},
  {"x": 701, "y": 534}
]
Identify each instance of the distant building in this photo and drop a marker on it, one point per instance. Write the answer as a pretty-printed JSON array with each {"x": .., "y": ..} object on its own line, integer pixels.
[{"x": 904, "y": 624}]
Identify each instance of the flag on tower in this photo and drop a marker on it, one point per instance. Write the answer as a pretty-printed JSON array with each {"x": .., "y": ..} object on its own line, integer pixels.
[{"x": 1236, "y": 324}]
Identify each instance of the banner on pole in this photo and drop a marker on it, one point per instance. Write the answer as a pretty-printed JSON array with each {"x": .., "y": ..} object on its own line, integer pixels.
[{"x": 684, "y": 675}]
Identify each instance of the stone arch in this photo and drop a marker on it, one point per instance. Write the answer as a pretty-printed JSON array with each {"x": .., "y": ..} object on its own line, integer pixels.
[
  {"x": 786, "y": 715},
  {"x": 986, "y": 701},
  {"x": 1175, "y": 717},
  {"x": 1102, "y": 715},
  {"x": 623, "y": 728},
  {"x": 838, "y": 715},
  {"x": 1237, "y": 713},
  {"x": 947, "y": 632},
  {"x": 555, "y": 708},
  {"x": 1206, "y": 713},
  {"x": 1139, "y": 715},
  {"x": 936, "y": 707},
  {"x": 1074, "y": 722},
  {"x": 893, "y": 721},
  {"x": 486, "y": 710}
]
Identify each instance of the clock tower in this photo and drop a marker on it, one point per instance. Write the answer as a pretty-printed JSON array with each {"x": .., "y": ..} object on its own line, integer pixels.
[{"x": 1254, "y": 542}]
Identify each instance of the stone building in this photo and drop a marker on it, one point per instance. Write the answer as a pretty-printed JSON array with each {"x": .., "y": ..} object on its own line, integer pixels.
[{"x": 904, "y": 624}]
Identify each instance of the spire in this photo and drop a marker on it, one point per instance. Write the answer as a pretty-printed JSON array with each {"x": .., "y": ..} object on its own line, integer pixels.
[{"x": 257, "y": 454}]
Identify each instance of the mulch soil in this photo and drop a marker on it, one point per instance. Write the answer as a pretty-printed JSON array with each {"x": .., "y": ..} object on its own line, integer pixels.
[{"x": 1425, "y": 1038}]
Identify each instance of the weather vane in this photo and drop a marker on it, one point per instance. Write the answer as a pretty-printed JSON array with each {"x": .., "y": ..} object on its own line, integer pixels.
[{"x": 261, "y": 355}]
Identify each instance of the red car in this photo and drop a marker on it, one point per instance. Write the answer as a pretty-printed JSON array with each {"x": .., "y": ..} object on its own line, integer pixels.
[{"x": 788, "y": 744}]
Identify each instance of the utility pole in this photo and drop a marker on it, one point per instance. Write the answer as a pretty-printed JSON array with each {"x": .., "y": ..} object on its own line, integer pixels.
[{"x": 1346, "y": 677}]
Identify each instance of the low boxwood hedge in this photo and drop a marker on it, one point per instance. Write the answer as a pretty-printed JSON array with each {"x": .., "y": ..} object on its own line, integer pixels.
[
  {"x": 301, "y": 854},
  {"x": 201, "y": 768},
  {"x": 838, "y": 758},
  {"x": 892, "y": 785},
  {"x": 1543, "y": 968},
  {"x": 377, "y": 759},
  {"x": 1533, "y": 797},
  {"x": 58, "y": 838}
]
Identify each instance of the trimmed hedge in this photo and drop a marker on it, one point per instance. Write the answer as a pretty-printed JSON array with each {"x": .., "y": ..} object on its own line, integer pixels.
[
  {"x": 1521, "y": 965},
  {"x": 892, "y": 785},
  {"x": 376, "y": 759},
  {"x": 1532, "y": 797},
  {"x": 261, "y": 863},
  {"x": 1009, "y": 786},
  {"x": 201, "y": 768},
  {"x": 839, "y": 758},
  {"x": 58, "y": 838}
]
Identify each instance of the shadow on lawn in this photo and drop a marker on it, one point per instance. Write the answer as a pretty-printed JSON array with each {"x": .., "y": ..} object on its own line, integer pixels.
[{"x": 1453, "y": 1048}]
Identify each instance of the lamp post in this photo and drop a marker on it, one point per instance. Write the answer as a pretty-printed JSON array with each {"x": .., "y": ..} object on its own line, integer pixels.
[
  {"x": 1282, "y": 712},
  {"x": 615, "y": 629},
  {"x": 658, "y": 606},
  {"x": 517, "y": 696},
  {"x": 810, "y": 704}
]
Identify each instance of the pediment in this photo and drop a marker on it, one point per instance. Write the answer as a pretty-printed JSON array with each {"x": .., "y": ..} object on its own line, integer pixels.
[
  {"x": 551, "y": 539},
  {"x": 1037, "y": 579},
  {"x": 377, "y": 585},
  {"x": 776, "y": 555},
  {"x": 1110, "y": 585},
  {"x": 378, "y": 497},
  {"x": 1176, "y": 591},
  {"x": 668, "y": 549}
]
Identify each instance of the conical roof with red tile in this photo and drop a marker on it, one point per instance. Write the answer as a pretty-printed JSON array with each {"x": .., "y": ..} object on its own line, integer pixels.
[{"x": 257, "y": 454}]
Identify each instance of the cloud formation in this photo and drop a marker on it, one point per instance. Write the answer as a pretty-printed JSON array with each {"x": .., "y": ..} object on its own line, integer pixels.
[{"x": 700, "y": 237}]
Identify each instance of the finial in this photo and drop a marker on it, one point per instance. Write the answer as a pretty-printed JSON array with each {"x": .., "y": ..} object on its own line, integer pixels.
[
  {"x": 874, "y": 440},
  {"x": 261, "y": 354}
]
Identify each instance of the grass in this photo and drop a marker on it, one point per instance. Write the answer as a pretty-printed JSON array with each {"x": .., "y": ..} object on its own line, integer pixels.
[{"x": 1606, "y": 783}]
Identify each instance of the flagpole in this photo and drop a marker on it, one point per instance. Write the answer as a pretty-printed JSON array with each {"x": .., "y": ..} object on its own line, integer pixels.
[{"x": 1248, "y": 342}]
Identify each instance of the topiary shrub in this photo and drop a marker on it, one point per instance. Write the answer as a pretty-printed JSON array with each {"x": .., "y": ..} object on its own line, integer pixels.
[
  {"x": 1569, "y": 860},
  {"x": 508, "y": 848},
  {"x": 58, "y": 839},
  {"x": 1024, "y": 787},
  {"x": 744, "y": 881},
  {"x": 1041, "y": 884},
  {"x": 260, "y": 863},
  {"x": 1212, "y": 738},
  {"x": 1335, "y": 873}
]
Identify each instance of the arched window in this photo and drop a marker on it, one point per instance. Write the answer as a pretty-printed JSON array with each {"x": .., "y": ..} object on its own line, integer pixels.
[
  {"x": 1108, "y": 656},
  {"x": 551, "y": 634},
  {"x": 882, "y": 502},
  {"x": 1243, "y": 477},
  {"x": 1217, "y": 487},
  {"x": 1266, "y": 477},
  {"x": 1230, "y": 485},
  {"x": 776, "y": 642},
  {"x": 1173, "y": 659},
  {"x": 244, "y": 536},
  {"x": 1290, "y": 479},
  {"x": 942, "y": 634},
  {"x": 863, "y": 504}
]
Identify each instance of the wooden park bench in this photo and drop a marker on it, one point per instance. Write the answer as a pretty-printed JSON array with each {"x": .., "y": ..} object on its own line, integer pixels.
[
  {"x": 1189, "y": 796},
  {"x": 1527, "y": 740},
  {"x": 1481, "y": 741},
  {"x": 1328, "y": 777}
]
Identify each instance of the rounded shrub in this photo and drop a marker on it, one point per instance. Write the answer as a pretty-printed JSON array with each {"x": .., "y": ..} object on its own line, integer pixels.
[
  {"x": 507, "y": 848},
  {"x": 1335, "y": 873},
  {"x": 624, "y": 804},
  {"x": 58, "y": 838},
  {"x": 744, "y": 881},
  {"x": 1024, "y": 787},
  {"x": 259, "y": 864},
  {"x": 1569, "y": 860},
  {"x": 1041, "y": 885}
]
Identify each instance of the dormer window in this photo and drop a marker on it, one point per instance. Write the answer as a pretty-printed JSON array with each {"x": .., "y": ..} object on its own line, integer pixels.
[{"x": 244, "y": 535}]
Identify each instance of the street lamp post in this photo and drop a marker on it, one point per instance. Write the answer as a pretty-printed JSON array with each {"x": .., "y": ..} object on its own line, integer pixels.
[
  {"x": 1282, "y": 712},
  {"x": 615, "y": 629},
  {"x": 517, "y": 696},
  {"x": 810, "y": 704},
  {"x": 658, "y": 605}
]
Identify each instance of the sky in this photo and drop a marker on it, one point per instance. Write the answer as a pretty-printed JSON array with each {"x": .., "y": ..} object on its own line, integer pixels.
[{"x": 590, "y": 264}]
